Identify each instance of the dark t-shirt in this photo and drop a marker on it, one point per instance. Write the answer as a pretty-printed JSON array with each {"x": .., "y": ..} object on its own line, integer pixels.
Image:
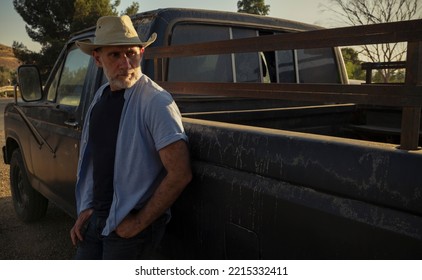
[{"x": 104, "y": 127}]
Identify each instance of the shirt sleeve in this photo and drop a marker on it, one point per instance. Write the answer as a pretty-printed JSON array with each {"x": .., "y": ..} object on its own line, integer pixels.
[{"x": 165, "y": 121}]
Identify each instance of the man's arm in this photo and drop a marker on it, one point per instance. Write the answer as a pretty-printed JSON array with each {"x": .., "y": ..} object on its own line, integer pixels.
[{"x": 176, "y": 161}]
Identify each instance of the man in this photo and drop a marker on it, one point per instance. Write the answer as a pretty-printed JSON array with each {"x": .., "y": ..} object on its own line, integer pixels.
[{"x": 134, "y": 159}]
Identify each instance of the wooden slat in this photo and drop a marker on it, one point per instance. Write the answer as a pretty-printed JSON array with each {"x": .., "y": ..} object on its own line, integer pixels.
[
  {"x": 411, "y": 116},
  {"x": 409, "y": 137},
  {"x": 346, "y": 36},
  {"x": 384, "y": 95},
  {"x": 158, "y": 69}
]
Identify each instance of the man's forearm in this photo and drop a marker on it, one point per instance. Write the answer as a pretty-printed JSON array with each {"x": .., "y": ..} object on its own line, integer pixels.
[{"x": 176, "y": 161}]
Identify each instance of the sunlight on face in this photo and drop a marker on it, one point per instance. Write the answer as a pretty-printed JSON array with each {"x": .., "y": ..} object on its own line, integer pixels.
[{"x": 121, "y": 65}]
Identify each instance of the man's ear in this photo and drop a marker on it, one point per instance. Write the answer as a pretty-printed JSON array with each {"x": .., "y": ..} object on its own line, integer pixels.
[{"x": 96, "y": 57}]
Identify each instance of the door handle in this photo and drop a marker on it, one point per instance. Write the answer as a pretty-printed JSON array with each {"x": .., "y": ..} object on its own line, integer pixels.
[{"x": 73, "y": 124}]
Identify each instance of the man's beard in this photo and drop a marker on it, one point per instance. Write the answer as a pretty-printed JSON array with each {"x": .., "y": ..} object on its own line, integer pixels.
[{"x": 128, "y": 82}]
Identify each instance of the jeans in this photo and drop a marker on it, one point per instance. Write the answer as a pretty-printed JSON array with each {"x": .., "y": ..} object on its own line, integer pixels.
[{"x": 113, "y": 247}]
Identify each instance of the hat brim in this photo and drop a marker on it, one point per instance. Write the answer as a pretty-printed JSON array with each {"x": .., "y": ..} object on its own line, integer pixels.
[{"x": 88, "y": 47}]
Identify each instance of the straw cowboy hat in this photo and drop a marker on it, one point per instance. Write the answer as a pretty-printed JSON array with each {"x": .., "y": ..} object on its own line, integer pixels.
[{"x": 114, "y": 31}]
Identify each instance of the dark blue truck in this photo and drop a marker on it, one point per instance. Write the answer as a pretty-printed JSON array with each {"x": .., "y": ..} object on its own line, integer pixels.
[{"x": 290, "y": 161}]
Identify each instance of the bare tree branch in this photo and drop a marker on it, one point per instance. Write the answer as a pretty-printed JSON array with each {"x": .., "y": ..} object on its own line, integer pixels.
[{"x": 362, "y": 12}]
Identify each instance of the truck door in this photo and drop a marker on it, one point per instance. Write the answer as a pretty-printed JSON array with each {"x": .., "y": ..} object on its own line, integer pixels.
[{"x": 59, "y": 122}]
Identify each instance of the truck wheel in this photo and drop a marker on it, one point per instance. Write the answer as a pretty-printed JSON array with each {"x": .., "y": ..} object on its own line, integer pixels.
[{"x": 29, "y": 204}]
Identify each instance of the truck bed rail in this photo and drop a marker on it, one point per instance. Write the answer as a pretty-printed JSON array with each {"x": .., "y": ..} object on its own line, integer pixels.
[{"x": 407, "y": 95}]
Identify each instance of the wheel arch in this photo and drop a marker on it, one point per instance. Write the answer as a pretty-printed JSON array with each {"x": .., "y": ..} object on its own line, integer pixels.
[{"x": 11, "y": 145}]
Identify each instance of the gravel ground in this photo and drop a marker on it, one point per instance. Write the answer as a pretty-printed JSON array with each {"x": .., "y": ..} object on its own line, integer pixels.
[{"x": 47, "y": 239}]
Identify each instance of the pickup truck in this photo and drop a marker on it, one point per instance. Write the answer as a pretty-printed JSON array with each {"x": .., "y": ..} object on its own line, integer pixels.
[{"x": 290, "y": 161}]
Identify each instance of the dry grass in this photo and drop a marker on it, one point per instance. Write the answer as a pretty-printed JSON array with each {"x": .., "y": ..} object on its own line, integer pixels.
[
  {"x": 7, "y": 58},
  {"x": 9, "y": 63},
  {"x": 4, "y": 173}
]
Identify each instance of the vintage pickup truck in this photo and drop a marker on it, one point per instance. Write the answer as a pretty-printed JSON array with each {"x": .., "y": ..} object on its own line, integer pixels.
[{"x": 290, "y": 161}]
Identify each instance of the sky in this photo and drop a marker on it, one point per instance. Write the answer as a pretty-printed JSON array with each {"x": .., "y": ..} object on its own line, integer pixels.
[{"x": 12, "y": 27}]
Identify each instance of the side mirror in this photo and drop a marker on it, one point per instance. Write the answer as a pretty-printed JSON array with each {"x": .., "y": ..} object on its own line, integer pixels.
[{"x": 29, "y": 82}]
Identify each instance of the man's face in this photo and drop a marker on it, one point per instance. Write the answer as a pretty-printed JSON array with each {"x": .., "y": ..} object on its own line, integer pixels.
[{"x": 121, "y": 65}]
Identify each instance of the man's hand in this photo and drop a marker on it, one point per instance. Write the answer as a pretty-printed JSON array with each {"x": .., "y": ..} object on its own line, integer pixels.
[
  {"x": 76, "y": 233},
  {"x": 129, "y": 227}
]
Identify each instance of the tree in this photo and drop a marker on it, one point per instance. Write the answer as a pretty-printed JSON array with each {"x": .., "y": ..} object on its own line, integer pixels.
[
  {"x": 256, "y": 7},
  {"x": 7, "y": 76},
  {"x": 361, "y": 12},
  {"x": 353, "y": 64},
  {"x": 87, "y": 12},
  {"x": 132, "y": 9},
  {"x": 51, "y": 23}
]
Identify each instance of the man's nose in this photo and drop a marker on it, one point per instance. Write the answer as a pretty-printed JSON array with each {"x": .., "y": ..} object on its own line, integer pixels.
[{"x": 124, "y": 60}]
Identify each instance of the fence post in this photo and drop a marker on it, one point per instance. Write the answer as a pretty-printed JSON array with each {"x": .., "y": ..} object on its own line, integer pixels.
[{"x": 411, "y": 116}]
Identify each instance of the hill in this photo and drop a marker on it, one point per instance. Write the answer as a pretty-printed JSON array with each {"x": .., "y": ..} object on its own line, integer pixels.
[{"x": 7, "y": 59}]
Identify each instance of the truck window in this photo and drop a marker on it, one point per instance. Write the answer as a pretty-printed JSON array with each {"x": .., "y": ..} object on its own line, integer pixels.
[
  {"x": 286, "y": 69},
  {"x": 306, "y": 66},
  {"x": 283, "y": 66},
  {"x": 240, "y": 67},
  {"x": 66, "y": 88},
  {"x": 301, "y": 66},
  {"x": 317, "y": 66},
  {"x": 206, "y": 68},
  {"x": 247, "y": 65}
]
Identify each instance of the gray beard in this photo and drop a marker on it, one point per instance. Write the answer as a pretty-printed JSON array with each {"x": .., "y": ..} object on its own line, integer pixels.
[{"x": 118, "y": 84}]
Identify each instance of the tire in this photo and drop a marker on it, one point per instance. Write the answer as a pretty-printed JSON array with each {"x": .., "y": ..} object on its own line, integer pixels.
[{"x": 29, "y": 204}]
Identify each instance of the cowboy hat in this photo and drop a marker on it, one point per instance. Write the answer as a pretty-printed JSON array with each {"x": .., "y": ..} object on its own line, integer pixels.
[{"x": 114, "y": 31}]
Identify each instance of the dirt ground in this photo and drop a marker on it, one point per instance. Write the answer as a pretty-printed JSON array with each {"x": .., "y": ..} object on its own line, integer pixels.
[{"x": 47, "y": 239}]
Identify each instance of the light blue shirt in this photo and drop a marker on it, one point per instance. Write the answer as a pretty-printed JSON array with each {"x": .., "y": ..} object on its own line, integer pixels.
[{"x": 150, "y": 121}]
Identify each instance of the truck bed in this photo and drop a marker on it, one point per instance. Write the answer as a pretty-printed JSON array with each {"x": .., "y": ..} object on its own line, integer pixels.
[
  {"x": 349, "y": 121},
  {"x": 255, "y": 184}
]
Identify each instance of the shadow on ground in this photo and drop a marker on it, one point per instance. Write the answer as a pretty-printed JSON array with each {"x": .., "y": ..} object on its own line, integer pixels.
[{"x": 47, "y": 239}]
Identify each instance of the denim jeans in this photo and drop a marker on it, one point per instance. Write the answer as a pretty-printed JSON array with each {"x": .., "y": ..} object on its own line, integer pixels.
[{"x": 112, "y": 247}]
